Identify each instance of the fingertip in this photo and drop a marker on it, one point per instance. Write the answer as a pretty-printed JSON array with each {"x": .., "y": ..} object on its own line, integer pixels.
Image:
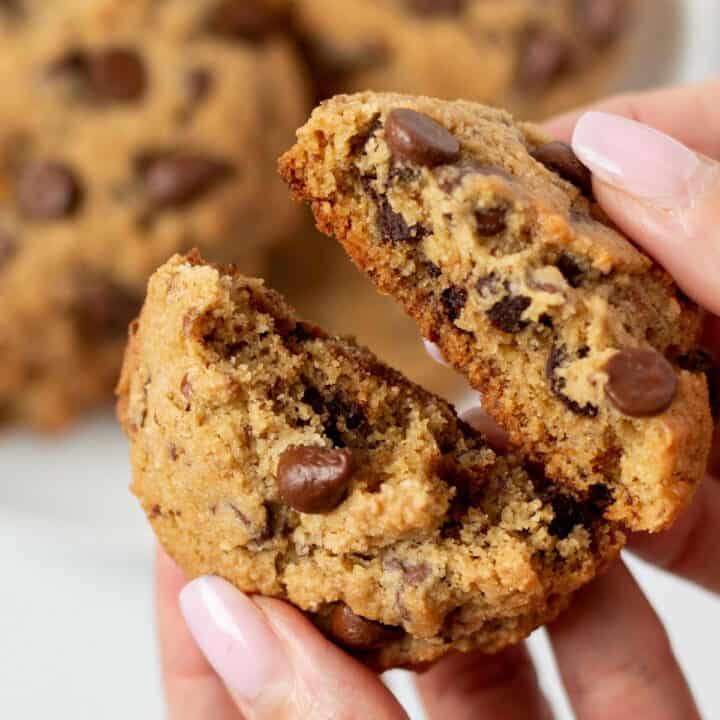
[
  {"x": 328, "y": 675},
  {"x": 435, "y": 353}
]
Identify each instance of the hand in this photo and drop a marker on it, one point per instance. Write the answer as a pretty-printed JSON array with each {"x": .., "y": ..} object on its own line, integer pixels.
[
  {"x": 665, "y": 194},
  {"x": 230, "y": 657}
]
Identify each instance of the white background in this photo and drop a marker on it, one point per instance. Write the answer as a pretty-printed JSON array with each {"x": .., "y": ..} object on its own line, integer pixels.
[{"x": 76, "y": 633}]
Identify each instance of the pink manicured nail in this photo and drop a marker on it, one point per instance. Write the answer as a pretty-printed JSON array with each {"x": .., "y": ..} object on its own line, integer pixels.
[
  {"x": 636, "y": 158},
  {"x": 235, "y": 637},
  {"x": 435, "y": 353}
]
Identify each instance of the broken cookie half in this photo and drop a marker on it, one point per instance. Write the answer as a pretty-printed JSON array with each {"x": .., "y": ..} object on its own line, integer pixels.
[
  {"x": 297, "y": 465},
  {"x": 487, "y": 233}
]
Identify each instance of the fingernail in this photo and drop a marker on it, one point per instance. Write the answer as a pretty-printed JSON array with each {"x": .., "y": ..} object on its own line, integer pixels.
[
  {"x": 435, "y": 353},
  {"x": 636, "y": 158},
  {"x": 235, "y": 637}
]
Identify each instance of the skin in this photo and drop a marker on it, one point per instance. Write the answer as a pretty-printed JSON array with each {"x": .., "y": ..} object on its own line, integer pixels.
[{"x": 612, "y": 651}]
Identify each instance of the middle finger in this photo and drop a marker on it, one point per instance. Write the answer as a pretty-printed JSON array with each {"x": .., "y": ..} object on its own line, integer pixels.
[{"x": 467, "y": 686}]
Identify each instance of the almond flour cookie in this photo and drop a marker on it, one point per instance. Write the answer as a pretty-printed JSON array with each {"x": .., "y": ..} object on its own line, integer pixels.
[
  {"x": 128, "y": 131},
  {"x": 536, "y": 58},
  {"x": 297, "y": 465},
  {"x": 487, "y": 234}
]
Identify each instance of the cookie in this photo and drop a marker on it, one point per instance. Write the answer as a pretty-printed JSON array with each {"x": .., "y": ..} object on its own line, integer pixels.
[
  {"x": 314, "y": 275},
  {"x": 488, "y": 235},
  {"x": 128, "y": 131},
  {"x": 297, "y": 465},
  {"x": 536, "y": 58}
]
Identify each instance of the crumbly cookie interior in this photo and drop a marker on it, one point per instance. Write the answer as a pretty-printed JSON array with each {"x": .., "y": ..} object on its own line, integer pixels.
[{"x": 439, "y": 535}]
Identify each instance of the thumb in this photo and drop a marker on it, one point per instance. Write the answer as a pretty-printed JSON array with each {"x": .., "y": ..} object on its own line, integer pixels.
[
  {"x": 275, "y": 663},
  {"x": 662, "y": 194}
]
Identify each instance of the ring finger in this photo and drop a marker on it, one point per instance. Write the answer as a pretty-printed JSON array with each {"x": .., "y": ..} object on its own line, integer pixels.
[{"x": 615, "y": 657}]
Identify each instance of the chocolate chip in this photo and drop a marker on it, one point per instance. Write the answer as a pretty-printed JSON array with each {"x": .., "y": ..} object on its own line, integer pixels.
[
  {"x": 557, "y": 383},
  {"x": 602, "y": 20},
  {"x": 640, "y": 382},
  {"x": 488, "y": 285},
  {"x": 453, "y": 300},
  {"x": 11, "y": 6},
  {"x": 332, "y": 63},
  {"x": 416, "y": 137},
  {"x": 506, "y": 314},
  {"x": 469, "y": 485},
  {"x": 571, "y": 512},
  {"x": 104, "y": 309},
  {"x": 432, "y": 269},
  {"x": 437, "y": 7},
  {"x": 359, "y": 633},
  {"x": 351, "y": 412},
  {"x": 700, "y": 361},
  {"x": 545, "y": 57},
  {"x": 413, "y": 574},
  {"x": 313, "y": 398},
  {"x": 416, "y": 574},
  {"x": 8, "y": 246},
  {"x": 47, "y": 191},
  {"x": 451, "y": 176},
  {"x": 570, "y": 270},
  {"x": 73, "y": 62},
  {"x": 600, "y": 495},
  {"x": 174, "y": 179},
  {"x": 393, "y": 227},
  {"x": 402, "y": 173},
  {"x": 116, "y": 75},
  {"x": 248, "y": 20},
  {"x": 342, "y": 418},
  {"x": 198, "y": 85},
  {"x": 559, "y": 158},
  {"x": 314, "y": 479},
  {"x": 491, "y": 221}
]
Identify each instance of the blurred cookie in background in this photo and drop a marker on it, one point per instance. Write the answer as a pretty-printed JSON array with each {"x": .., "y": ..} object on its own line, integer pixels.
[
  {"x": 316, "y": 277},
  {"x": 128, "y": 131},
  {"x": 534, "y": 58}
]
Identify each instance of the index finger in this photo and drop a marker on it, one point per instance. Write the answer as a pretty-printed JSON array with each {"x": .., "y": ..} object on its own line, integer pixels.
[{"x": 690, "y": 113}]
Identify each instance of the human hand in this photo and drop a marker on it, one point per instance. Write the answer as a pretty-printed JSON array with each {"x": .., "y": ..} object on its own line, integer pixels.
[
  {"x": 232, "y": 657},
  {"x": 664, "y": 193},
  {"x": 226, "y": 656}
]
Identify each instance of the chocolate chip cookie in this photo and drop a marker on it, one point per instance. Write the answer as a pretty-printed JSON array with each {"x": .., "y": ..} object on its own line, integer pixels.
[
  {"x": 487, "y": 233},
  {"x": 536, "y": 58},
  {"x": 297, "y": 465},
  {"x": 128, "y": 131}
]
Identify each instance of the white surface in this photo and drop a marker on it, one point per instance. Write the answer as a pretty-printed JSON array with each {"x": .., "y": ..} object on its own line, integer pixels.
[{"x": 75, "y": 605}]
